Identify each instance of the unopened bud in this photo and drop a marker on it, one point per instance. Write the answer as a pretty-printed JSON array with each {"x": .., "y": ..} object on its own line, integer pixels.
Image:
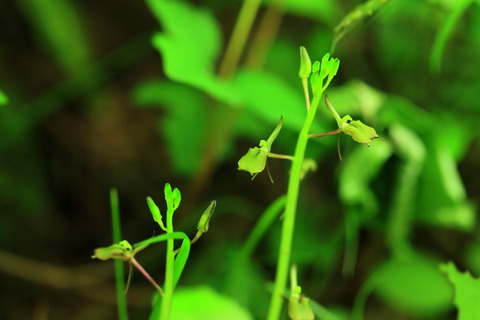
[
  {"x": 305, "y": 64},
  {"x": 203, "y": 224}
]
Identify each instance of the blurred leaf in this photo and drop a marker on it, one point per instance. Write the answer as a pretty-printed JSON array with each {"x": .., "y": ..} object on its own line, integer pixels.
[
  {"x": 359, "y": 168},
  {"x": 442, "y": 196},
  {"x": 3, "y": 98},
  {"x": 184, "y": 125},
  {"x": 243, "y": 277},
  {"x": 325, "y": 10},
  {"x": 445, "y": 32},
  {"x": 268, "y": 97},
  {"x": 357, "y": 97},
  {"x": 472, "y": 257},
  {"x": 354, "y": 18},
  {"x": 59, "y": 27},
  {"x": 198, "y": 303},
  {"x": 412, "y": 152},
  {"x": 190, "y": 49},
  {"x": 467, "y": 292},
  {"x": 414, "y": 285}
]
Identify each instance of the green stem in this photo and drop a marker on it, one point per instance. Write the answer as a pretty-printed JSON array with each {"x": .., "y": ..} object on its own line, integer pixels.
[
  {"x": 289, "y": 216},
  {"x": 169, "y": 266},
  {"x": 239, "y": 36},
  {"x": 118, "y": 264}
]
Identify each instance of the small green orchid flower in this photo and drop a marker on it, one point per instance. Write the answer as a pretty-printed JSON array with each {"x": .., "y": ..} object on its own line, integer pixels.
[
  {"x": 124, "y": 251},
  {"x": 359, "y": 131},
  {"x": 255, "y": 160}
]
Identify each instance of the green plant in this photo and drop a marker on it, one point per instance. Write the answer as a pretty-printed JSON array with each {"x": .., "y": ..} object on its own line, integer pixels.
[
  {"x": 320, "y": 75},
  {"x": 175, "y": 260}
]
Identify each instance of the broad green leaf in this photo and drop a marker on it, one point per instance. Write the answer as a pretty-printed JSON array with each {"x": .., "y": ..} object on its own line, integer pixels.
[
  {"x": 190, "y": 44},
  {"x": 467, "y": 292},
  {"x": 414, "y": 285},
  {"x": 205, "y": 303},
  {"x": 185, "y": 108}
]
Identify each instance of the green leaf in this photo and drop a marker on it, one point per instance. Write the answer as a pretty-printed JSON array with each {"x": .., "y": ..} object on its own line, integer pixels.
[
  {"x": 185, "y": 108},
  {"x": 358, "y": 170},
  {"x": 268, "y": 97},
  {"x": 355, "y": 17},
  {"x": 412, "y": 152},
  {"x": 190, "y": 44},
  {"x": 467, "y": 292},
  {"x": 445, "y": 32},
  {"x": 181, "y": 259},
  {"x": 204, "y": 303},
  {"x": 414, "y": 285},
  {"x": 182, "y": 256},
  {"x": 59, "y": 26}
]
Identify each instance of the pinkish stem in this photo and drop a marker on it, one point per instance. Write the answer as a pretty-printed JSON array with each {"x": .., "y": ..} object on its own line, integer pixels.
[{"x": 145, "y": 274}]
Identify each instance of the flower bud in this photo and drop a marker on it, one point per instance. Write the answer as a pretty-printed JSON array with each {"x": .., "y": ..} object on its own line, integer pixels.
[{"x": 305, "y": 64}]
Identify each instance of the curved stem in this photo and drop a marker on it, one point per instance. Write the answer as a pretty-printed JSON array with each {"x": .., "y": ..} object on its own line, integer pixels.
[{"x": 289, "y": 215}]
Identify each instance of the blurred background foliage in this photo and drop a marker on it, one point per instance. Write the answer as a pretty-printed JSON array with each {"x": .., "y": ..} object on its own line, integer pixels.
[{"x": 101, "y": 94}]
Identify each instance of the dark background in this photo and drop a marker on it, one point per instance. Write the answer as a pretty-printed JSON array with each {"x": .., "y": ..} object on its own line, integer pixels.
[{"x": 76, "y": 125}]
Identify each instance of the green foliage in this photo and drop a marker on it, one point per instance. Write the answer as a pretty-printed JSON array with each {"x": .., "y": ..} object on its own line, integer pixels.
[
  {"x": 185, "y": 109},
  {"x": 445, "y": 32},
  {"x": 414, "y": 285},
  {"x": 60, "y": 30},
  {"x": 355, "y": 17},
  {"x": 68, "y": 133},
  {"x": 179, "y": 46},
  {"x": 205, "y": 303},
  {"x": 467, "y": 291}
]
